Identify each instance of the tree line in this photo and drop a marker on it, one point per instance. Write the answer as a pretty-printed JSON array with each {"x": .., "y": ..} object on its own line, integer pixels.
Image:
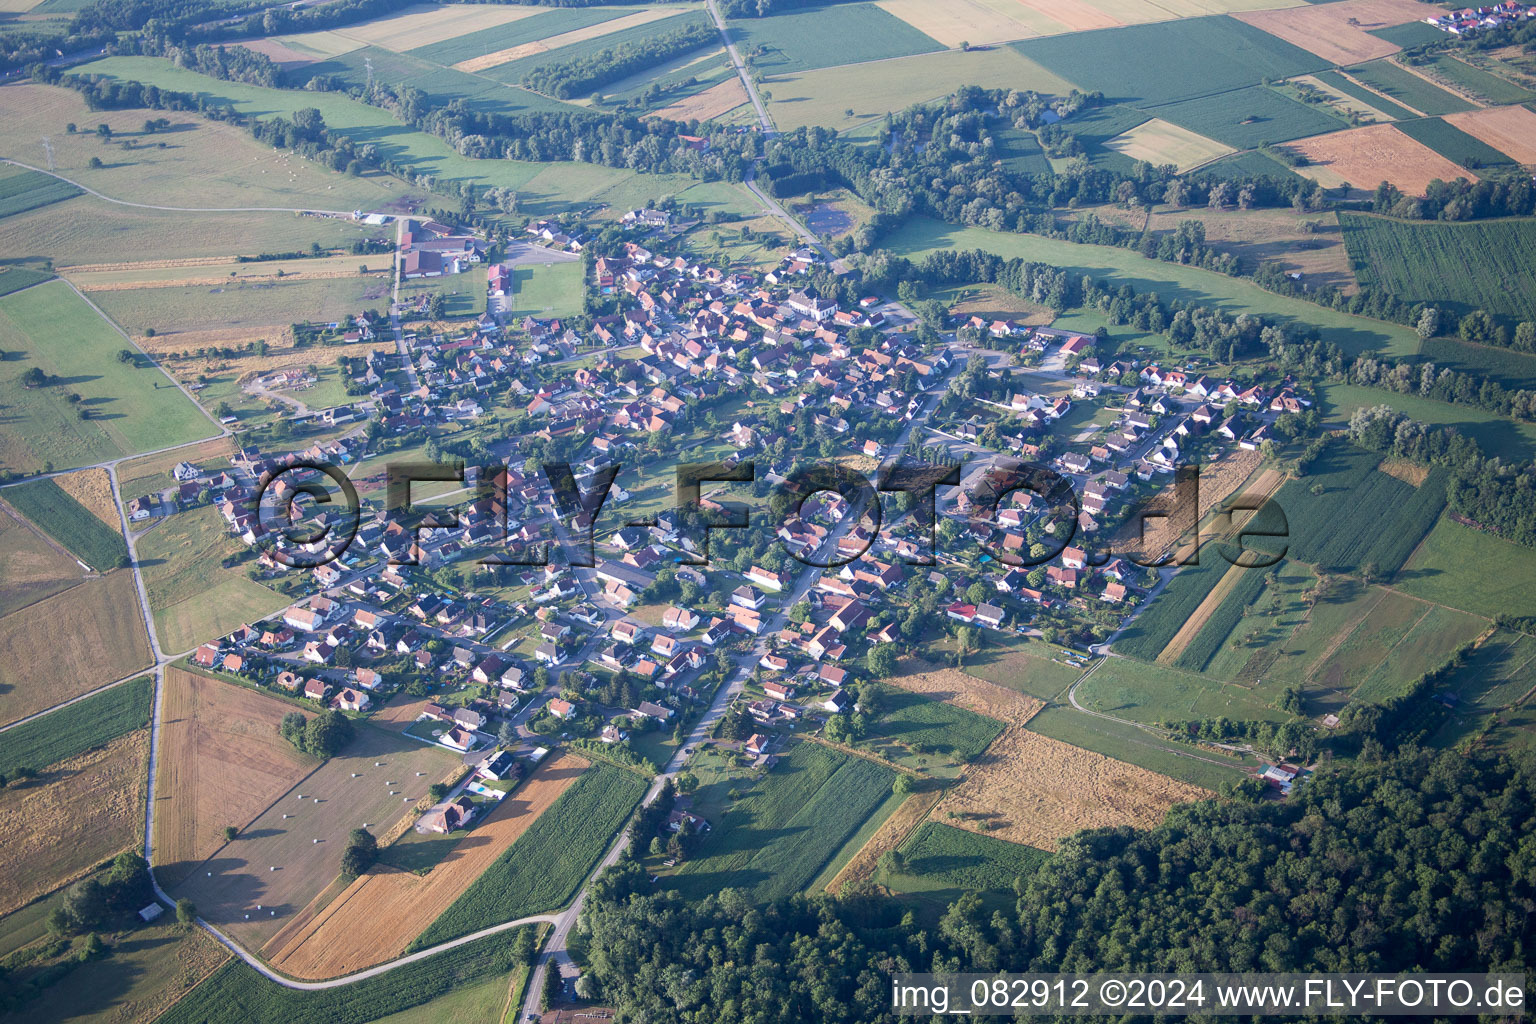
[
  {"x": 581, "y": 75},
  {"x": 1489, "y": 491}
]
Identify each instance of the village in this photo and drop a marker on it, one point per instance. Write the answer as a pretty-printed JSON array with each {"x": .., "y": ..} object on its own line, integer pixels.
[
  {"x": 1471, "y": 19},
  {"x": 496, "y": 641}
]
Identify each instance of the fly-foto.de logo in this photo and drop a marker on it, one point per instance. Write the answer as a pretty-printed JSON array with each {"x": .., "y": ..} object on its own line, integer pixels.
[{"x": 556, "y": 510}]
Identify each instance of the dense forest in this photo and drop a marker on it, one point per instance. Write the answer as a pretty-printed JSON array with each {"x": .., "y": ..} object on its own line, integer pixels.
[{"x": 1420, "y": 860}]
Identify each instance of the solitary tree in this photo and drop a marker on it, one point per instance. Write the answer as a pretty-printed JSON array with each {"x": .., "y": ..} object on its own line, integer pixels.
[
  {"x": 361, "y": 851},
  {"x": 186, "y": 911}
]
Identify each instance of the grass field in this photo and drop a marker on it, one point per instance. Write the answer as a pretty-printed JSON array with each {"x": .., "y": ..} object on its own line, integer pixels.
[
  {"x": 70, "y": 523},
  {"x": 87, "y": 636},
  {"x": 1132, "y": 63},
  {"x": 1246, "y": 118},
  {"x": 1451, "y": 568},
  {"x": 942, "y": 862},
  {"x": 78, "y": 813},
  {"x": 221, "y": 762},
  {"x": 31, "y": 568},
  {"x": 90, "y": 231},
  {"x": 1249, "y": 650},
  {"x": 1459, "y": 267},
  {"x": 1514, "y": 370},
  {"x": 554, "y": 290},
  {"x": 1498, "y": 673},
  {"x": 922, "y": 235},
  {"x": 548, "y": 862},
  {"x": 194, "y": 599},
  {"x": 351, "y": 790},
  {"x": 380, "y": 913},
  {"x": 1426, "y": 646},
  {"x": 204, "y": 163},
  {"x": 1478, "y": 82},
  {"x": 133, "y": 407},
  {"x": 1152, "y": 694},
  {"x": 1452, "y": 143},
  {"x": 543, "y": 189},
  {"x": 846, "y": 34},
  {"x": 68, "y": 732},
  {"x": 1407, "y": 88},
  {"x": 260, "y": 306},
  {"x": 236, "y": 994},
  {"x": 914, "y": 724},
  {"x": 1136, "y": 746},
  {"x": 1498, "y": 434},
  {"x": 824, "y": 97},
  {"x": 786, "y": 826},
  {"x": 22, "y": 190},
  {"x": 1159, "y": 142},
  {"x": 147, "y": 969}
]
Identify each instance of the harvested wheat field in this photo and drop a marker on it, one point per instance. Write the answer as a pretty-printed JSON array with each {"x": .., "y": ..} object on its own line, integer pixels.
[
  {"x": 1410, "y": 473},
  {"x": 71, "y": 643},
  {"x": 93, "y": 489},
  {"x": 78, "y": 813},
  {"x": 1341, "y": 32},
  {"x": 891, "y": 834},
  {"x": 380, "y": 913},
  {"x": 975, "y": 21},
  {"x": 1219, "y": 480},
  {"x": 712, "y": 102},
  {"x": 32, "y": 566},
  {"x": 964, "y": 691},
  {"x": 580, "y": 35},
  {"x": 1035, "y": 790},
  {"x": 434, "y": 23},
  {"x": 1159, "y": 143},
  {"x": 1510, "y": 130},
  {"x": 1365, "y": 157},
  {"x": 221, "y": 762},
  {"x": 1078, "y": 16},
  {"x": 279, "y": 53}
]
